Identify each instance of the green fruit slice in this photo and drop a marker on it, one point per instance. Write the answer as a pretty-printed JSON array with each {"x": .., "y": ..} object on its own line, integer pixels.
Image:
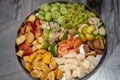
[
  {"x": 48, "y": 16},
  {"x": 62, "y": 36},
  {"x": 82, "y": 36},
  {"x": 53, "y": 49},
  {"x": 45, "y": 45},
  {"x": 46, "y": 33},
  {"x": 90, "y": 37}
]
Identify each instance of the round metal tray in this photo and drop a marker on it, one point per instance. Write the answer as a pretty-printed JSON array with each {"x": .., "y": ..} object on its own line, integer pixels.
[{"x": 88, "y": 74}]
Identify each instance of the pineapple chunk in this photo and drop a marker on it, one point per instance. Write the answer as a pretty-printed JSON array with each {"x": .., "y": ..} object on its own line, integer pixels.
[
  {"x": 31, "y": 18},
  {"x": 20, "y": 53},
  {"x": 20, "y": 39},
  {"x": 28, "y": 66},
  {"x": 47, "y": 57}
]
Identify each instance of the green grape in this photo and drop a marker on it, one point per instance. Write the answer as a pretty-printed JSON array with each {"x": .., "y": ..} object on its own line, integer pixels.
[
  {"x": 55, "y": 7},
  {"x": 55, "y": 15},
  {"x": 41, "y": 12},
  {"x": 41, "y": 17},
  {"x": 61, "y": 20},
  {"x": 68, "y": 5},
  {"x": 62, "y": 5},
  {"x": 63, "y": 10},
  {"x": 45, "y": 7},
  {"x": 48, "y": 16},
  {"x": 57, "y": 4}
]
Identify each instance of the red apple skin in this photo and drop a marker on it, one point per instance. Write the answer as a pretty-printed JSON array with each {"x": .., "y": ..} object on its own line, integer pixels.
[
  {"x": 30, "y": 24},
  {"x": 37, "y": 22},
  {"x": 26, "y": 48}
]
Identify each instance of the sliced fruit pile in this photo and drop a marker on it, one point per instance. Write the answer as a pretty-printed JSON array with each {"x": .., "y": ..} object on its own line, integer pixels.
[
  {"x": 58, "y": 35},
  {"x": 42, "y": 65}
]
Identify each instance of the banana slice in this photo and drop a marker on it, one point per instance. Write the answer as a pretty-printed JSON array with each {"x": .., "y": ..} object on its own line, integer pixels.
[
  {"x": 37, "y": 65},
  {"x": 45, "y": 68},
  {"x": 51, "y": 76},
  {"x": 53, "y": 64},
  {"x": 36, "y": 73}
]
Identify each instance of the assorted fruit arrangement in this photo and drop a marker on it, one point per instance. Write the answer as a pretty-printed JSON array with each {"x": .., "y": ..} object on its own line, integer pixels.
[{"x": 61, "y": 41}]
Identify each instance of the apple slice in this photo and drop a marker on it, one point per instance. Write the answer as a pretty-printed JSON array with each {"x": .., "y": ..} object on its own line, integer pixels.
[
  {"x": 28, "y": 29},
  {"x": 20, "y": 53},
  {"x": 40, "y": 40},
  {"x": 37, "y": 22},
  {"x": 32, "y": 25},
  {"x": 26, "y": 48},
  {"x": 21, "y": 30},
  {"x": 20, "y": 39},
  {"x": 32, "y": 18},
  {"x": 29, "y": 37},
  {"x": 37, "y": 33}
]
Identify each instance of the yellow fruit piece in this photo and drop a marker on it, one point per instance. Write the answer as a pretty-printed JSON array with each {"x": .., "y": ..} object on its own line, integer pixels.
[
  {"x": 81, "y": 27},
  {"x": 31, "y": 18},
  {"x": 40, "y": 39},
  {"x": 51, "y": 76},
  {"x": 82, "y": 36},
  {"x": 38, "y": 46},
  {"x": 38, "y": 57},
  {"x": 36, "y": 73},
  {"x": 37, "y": 65},
  {"x": 20, "y": 39},
  {"x": 58, "y": 74},
  {"x": 35, "y": 42},
  {"x": 47, "y": 57},
  {"x": 28, "y": 66},
  {"x": 20, "y": 53},
  {"x": 41, "y": 51},
  {"x": 45, "y": 68},
  {"x": 90, "y": 37},
  {"x": 28, "y": 44},
  {"x": 90, "y": 29},
  {"x": 44, "y": 76},
  {"x": 29, "y": 37},
  {"x": 25, "y": 58},
  {"x": 32, "y": 57},
  {"x": 34, "y": 48},
  {"x": 28, "y": 29},
  {"x": 53, "y": 64}
]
